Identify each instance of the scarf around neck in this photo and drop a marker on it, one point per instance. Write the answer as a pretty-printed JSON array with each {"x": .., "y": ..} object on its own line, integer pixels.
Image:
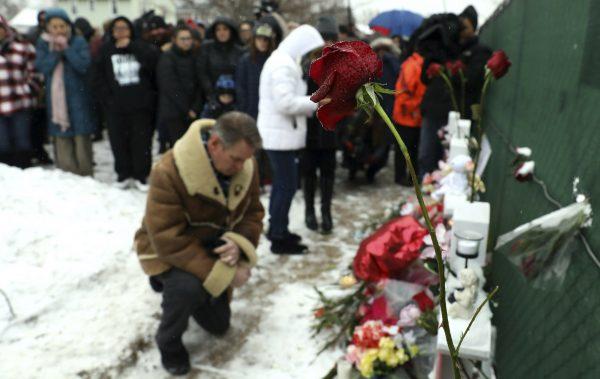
[{"x": 58, "y": 94}]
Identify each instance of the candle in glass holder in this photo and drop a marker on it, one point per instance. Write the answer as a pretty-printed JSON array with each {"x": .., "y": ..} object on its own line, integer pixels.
[{"x": 468, "y": 247}]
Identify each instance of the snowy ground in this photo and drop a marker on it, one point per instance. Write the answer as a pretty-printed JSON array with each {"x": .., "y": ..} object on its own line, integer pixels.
[{"x": 84, "y": 308}]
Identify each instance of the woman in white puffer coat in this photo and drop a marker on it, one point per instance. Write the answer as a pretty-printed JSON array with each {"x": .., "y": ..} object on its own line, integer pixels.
[{"x": 282, "y": 110}]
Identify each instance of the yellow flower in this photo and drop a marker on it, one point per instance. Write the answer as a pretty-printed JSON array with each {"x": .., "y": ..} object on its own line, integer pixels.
[
  {"x": 402, "y": 356},
  {"x": 366, "y": 363},
  {"x": 414, "y": 350},
  {"x": 392, "y": 359},
  {"x": 386, "y": 343},
  {"x": 347, "y": 281}
]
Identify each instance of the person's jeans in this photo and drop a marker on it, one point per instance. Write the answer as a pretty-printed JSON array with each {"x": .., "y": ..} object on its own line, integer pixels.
[
  {"x": 430, "y": 145},
  {"x": 15, "y": 131},
  {"x": 284, "y": 166},
  {"x": 185, "y": 296}
]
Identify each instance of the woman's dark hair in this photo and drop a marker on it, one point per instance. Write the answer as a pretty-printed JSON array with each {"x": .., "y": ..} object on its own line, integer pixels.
[{"x": 254, "y": 51}]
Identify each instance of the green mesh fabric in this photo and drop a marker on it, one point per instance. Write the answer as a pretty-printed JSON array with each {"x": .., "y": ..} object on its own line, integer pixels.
[{"x": 550, "y": 102}]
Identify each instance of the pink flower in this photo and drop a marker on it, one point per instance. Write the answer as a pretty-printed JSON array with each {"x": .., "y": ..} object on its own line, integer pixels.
[
  {"x": 409, "y": 315},
  {"x": 353, "y": 354}
]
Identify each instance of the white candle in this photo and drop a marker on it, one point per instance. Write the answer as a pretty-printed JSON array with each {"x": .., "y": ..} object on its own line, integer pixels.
[{"x": 468, "y": 247}]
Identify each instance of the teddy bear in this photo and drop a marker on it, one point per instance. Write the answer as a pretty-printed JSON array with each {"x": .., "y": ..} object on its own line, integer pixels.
[{"x": 456, "y": 181}]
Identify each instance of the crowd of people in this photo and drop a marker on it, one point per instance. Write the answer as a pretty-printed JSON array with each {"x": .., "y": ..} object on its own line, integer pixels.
[
  {"x": 143, "y": 76},
  {"x": 65, "y": 82}
]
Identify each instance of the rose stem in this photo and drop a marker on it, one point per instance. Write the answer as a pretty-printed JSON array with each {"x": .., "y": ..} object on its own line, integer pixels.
[
  {"x": 479, "y": 132},
  {"x": 436, "y": 245}
]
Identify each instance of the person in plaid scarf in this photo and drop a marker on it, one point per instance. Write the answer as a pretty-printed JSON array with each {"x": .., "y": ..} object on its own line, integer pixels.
[{"x": 18, "y": 89}]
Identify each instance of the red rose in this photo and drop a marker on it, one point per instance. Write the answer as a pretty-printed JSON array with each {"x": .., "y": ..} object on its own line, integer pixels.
[
  {"x": 340, "y": 72},
  {"x": 454, "y": 67},
  {"x": 423, "y": 301},
  {"x": 434, "y": 70},
  {"x": 498, "y": 64}
]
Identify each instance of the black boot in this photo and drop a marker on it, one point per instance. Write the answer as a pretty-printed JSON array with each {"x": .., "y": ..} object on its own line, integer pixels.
[
  {"x": 309, "y": 202},
  {"x": 310, "y": 218},
  {"x": 22, "y": 159},
  {"x": 326, "y": 197},
  {"x": 287, "y": 246},
  {"x": 176, "y": 361}
]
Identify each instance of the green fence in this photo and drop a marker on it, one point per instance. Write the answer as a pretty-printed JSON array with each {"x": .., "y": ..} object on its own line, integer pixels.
[{"x": 549, "y": 101}]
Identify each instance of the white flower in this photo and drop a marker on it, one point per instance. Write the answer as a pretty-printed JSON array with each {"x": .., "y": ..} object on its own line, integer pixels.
[
  {"x": 392, "y": 330},
  {"x": 524, "y": 171},
  {"x": 407, "y": 209},
  {"x": 523, "y": 151}
]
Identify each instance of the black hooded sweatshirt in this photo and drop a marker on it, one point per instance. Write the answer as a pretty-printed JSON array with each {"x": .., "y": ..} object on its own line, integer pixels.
[
  {"x": 218, "y": 58},
  {"x": 124, "y": 78}
]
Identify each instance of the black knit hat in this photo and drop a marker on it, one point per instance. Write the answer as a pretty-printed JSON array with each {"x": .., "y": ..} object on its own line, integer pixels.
[{"x": 471, "y": 14}]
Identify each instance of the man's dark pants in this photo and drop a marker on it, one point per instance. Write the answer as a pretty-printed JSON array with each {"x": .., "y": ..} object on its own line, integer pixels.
[{"x": 184, "y": 296}]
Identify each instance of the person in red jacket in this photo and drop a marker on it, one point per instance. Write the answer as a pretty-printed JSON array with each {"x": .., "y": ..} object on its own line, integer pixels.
[{"x": 407, "y": 113}]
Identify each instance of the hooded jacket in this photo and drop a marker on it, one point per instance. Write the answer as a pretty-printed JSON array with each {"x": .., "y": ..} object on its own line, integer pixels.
[
  {"x": 76, "y": 60},
  {"x": 178, "y": 85},
  {"x": 124, "y": 78},
  {"x": 283, "y": 104},
  {"x": 218, "y": 58}
]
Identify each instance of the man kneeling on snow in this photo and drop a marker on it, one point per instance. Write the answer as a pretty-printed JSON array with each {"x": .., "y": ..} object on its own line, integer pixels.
[{"x": 202, "y": 224}]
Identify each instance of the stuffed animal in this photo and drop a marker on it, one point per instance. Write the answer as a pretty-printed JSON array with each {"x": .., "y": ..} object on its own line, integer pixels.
[{"x": 456, "y": 182}]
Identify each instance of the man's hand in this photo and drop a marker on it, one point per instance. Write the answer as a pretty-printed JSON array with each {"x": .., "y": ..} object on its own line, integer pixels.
[
  {"x": 242, "y": 275},
  {"x": 122, "y": 43},
  {"x": 192, "y": 114},
  {"x": 229, "y": 253}
]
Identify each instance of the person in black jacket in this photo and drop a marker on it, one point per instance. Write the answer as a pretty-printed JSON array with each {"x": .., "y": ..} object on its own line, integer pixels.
[
  {"x": 247, "y": 73},
  {"x": 218, "y": 56},
  {"x": 247, "y": 80},
  {"x": 320, "y": 149},
  {"x": 475, "y": 56},
  {"x": 438, "y": 40},
  {"x": 124, "y": 80},
  {"x": 180, "y": 93}
]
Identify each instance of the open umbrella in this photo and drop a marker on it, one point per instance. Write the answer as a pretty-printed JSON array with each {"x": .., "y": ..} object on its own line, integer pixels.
[{"x": 396, "y": 23}]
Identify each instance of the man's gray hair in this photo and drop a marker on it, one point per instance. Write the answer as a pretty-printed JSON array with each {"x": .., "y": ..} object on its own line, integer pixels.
[{"x": 234, "y": 126}]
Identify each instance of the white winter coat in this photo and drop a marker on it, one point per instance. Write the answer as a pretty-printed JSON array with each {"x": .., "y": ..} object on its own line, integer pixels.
[{"x": 283, "y": 104}]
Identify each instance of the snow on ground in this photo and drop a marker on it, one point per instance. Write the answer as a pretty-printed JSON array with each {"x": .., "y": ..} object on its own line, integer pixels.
[{"x": 84, "y": 308}]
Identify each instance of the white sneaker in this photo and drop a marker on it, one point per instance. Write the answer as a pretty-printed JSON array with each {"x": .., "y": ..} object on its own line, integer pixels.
[
  {"x": 141, "y": 186},
  {"x": 124, "y": 184}
]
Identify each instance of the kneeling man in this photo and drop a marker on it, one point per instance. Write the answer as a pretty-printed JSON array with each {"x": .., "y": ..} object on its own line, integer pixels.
[{"x": 202, "y": 224}]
